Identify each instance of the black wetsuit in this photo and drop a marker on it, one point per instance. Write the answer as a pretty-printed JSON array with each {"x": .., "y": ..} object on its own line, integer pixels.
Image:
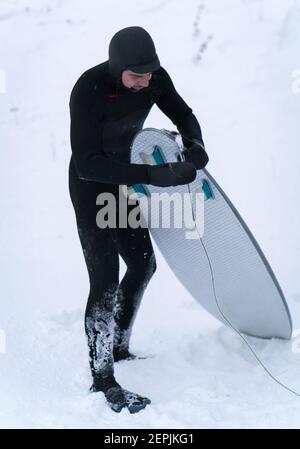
[{"x": 105, "y": 116}]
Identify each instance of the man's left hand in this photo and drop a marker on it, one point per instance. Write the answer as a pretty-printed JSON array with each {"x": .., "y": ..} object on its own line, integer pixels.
[{"x": 197, "y": 155}]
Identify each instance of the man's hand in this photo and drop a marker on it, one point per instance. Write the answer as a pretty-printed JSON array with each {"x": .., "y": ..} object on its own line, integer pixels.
[
  {"x": 197, "y": 155},
  {"x": 172, "y": 174}
]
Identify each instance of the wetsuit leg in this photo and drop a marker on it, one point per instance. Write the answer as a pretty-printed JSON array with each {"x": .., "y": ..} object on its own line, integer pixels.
[
  {"x": 103, "y": 264},
  {"x": 102, "y": 261},
  {"x": 101, "y": 248},
  {"x": 135, "y": 248}
]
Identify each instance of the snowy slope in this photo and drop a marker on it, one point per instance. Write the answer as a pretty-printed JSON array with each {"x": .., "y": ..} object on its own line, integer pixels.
[{"x": 199, "y": 374}]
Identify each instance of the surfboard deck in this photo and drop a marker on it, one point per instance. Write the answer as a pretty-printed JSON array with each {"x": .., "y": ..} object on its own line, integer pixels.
[{"x": 245, "y": 285}]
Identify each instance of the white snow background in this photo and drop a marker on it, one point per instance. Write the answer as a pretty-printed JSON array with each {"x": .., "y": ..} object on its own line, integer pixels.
[{"x": 200, "y": 374}]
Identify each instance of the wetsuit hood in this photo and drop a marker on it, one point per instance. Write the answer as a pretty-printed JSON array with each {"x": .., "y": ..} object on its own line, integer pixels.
[{"x": 132, "y": 48}]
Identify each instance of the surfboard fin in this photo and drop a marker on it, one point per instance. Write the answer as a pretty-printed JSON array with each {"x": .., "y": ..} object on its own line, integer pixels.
[
  {"x": 206, "y": 190},
  {"x": 158, "y": 155},
  {"x": 137, "y": 190},
  {"x": 155, "y": 158}
]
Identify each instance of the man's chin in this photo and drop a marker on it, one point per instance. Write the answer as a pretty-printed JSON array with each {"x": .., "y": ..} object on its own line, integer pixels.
[{"x": 134, "y": 89}]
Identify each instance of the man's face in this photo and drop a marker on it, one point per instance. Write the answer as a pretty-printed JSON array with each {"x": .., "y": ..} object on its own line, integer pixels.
[{"x": 135, "y": 81}]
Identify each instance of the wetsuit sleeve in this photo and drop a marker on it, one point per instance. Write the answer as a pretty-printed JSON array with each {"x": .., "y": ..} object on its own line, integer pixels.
[
  {"x": 173, "y": 105},
  {"x": 85, "y": 137}
]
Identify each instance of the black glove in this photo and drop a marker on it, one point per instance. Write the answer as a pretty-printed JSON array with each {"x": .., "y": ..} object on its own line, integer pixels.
[
  {"x": 197, "y": 155},
  {"x": 171, "y": 174}
]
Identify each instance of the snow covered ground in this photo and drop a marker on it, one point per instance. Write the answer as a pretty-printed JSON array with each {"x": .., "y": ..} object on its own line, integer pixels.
[{"x": 198, "y": 374}]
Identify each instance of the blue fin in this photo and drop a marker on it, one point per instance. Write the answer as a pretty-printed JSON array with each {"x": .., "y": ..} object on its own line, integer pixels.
[
  {"x": 206, "y": 190},
  {"x": 139, "y": 189},
  {"x": 158, "y": 155}
]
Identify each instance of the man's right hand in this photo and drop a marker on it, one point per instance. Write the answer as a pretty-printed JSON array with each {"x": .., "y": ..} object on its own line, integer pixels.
[{"x": 172, "y": 174}]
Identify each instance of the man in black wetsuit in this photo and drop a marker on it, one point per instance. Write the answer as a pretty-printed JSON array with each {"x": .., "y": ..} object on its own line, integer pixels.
[{"x": 108, "y": 106}]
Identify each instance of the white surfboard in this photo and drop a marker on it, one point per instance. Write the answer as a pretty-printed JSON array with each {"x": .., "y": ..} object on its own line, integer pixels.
[{"x": 245, "y": 286}]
